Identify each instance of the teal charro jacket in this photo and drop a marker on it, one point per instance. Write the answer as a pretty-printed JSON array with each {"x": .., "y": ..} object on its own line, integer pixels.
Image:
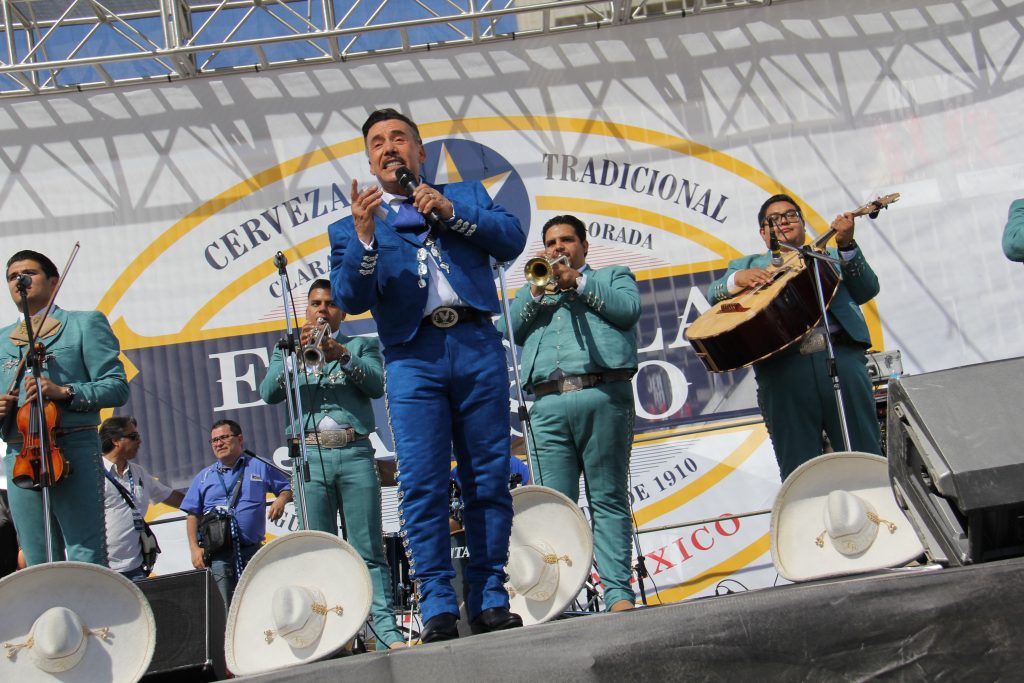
[
  {"x": 1013, "y": 233},
  {"x": 333, "y": 391},
  {"x": 604, "y": 313},
  {"x": 84, "y": 353},
  {"x": 858, "y": 286}
]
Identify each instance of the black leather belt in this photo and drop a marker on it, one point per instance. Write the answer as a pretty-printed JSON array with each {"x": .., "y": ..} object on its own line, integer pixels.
[
  {"x": 842, "y": 337},
  {"x": 449, "y": 316},
  {"x": 60, "y": 432},
  {"x": 577, "y": 382}
]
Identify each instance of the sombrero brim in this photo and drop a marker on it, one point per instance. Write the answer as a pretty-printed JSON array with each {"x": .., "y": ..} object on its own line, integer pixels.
[
  {"x": 797, "y": 519},
  {"x": 543, "y": 514},
  {"x": 308, "y": 558},
  {"x": 101, "y": 598}
]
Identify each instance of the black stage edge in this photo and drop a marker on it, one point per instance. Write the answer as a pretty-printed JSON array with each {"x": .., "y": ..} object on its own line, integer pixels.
[{"x": 933, "y": 625}]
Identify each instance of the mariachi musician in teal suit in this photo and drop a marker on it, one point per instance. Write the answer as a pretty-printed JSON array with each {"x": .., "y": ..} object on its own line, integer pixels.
[
  {"x": 794, "y": 389},
  {"x": 336, "y": 423},
  {"x": 579, "y": 354},
  {"x": 81, "y": 374},
  {"x": 432, "y": 296},
  {"x": 1013, "y": 233}
]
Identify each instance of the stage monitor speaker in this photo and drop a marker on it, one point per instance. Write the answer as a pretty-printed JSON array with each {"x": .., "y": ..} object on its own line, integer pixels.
[
  {"x": 956, "y": 459},
  {"x": 190, "y": 622}
]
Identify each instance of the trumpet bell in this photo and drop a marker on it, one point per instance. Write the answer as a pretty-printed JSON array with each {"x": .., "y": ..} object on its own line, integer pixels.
[
  {"x": 312, "y": 354},
  {"x": 312, "y": 357},
  {"x": 538, "y": 271}
]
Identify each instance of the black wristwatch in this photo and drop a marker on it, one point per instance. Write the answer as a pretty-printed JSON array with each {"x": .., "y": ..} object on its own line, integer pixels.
[
  {"x": 71, "y": 393},
  {"x": 849, "y": 247}
]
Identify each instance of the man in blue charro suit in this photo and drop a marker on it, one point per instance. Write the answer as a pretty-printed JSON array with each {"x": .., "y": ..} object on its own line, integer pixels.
[
  {"x": 579, "y": 354},
  {"x": 430, "y": 288},
  {"x": 81, "y": 374},
  {"x": 794, "y": 389}
]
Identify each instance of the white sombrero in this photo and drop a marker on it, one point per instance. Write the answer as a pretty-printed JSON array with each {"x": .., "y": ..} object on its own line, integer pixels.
[
  {"x": 73, "y": 621},
  {"x": 836, "y": 515},
  {"x": 300, "y": 599},
  {"x": 550, "y": 553}
]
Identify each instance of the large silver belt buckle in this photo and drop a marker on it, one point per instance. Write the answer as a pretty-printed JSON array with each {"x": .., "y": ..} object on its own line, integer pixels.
[
  {"x": 574, "y": 383},
  {"x": 444, "y": 316},
  {"x": 332, "y": 438},
  {"x": 813, "y": 342}
]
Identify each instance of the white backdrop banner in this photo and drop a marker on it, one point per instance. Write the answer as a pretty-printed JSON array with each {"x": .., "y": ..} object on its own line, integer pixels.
[{"x": 663, "y": 137}]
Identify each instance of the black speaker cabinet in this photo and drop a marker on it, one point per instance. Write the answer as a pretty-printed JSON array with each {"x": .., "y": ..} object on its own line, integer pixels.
[
  {"x": 956, "y": 459},
  {"x": 190, "y": 622}
]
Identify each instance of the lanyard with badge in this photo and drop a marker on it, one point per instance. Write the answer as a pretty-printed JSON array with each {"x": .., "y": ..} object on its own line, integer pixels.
[
  {"x": 128, "y": 495},
  {"x": 231, "y": 493}
]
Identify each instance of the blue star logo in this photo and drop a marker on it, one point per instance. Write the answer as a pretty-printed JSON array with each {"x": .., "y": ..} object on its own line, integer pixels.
[{"x": 453, "y": 160}]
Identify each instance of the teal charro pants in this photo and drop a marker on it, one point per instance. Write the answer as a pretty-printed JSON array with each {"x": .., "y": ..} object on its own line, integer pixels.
[
  {"x": 346, "y": 479},
  {"x": 76, "y": 504},
  {"x": 591, "y": 430},
  {"x": 798, "y": 402}
]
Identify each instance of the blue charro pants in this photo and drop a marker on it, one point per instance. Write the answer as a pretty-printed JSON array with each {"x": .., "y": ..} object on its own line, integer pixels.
[{"x": 447, "y": 390}]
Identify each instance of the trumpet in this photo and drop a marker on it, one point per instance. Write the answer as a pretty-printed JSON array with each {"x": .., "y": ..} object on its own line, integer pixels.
[
  {"x": 540, "y": 270},
  {"x": 312, "y": 354}
]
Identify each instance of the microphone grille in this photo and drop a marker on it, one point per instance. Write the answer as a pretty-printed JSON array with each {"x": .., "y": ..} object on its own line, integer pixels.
[{"x": 404, "y": 176}]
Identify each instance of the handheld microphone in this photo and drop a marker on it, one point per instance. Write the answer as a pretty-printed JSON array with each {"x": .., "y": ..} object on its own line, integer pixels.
[
  {"x": 773, "y": 244},
  {"x": 407, "y": 179},
  {"x": 24, "y": 282}
]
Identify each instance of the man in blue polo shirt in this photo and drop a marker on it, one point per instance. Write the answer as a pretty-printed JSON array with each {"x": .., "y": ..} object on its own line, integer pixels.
[{"x": 213, "y": 488}]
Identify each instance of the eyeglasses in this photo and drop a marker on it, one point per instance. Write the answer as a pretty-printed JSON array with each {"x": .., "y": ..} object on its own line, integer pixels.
[
  {"x": 790, "y": 216},
  {"x": 134, "y": 436},
  {"x": 221, "y": 439}
]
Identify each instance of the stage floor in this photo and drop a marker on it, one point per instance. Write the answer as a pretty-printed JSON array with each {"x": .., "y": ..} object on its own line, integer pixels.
[{"x": 910, "y": 625}]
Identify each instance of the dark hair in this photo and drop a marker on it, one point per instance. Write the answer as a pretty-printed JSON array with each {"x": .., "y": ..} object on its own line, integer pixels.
[
  {"x": 114, "y": 428},
  {"x": 567, "y": 219},
  {"x": 319, "y": 283},
  {"x": 389, "y": 114},
  {"x": 49, "y": 269},
  {"x": 236, "y": 429},
  {"x": 771, "y": 200}
]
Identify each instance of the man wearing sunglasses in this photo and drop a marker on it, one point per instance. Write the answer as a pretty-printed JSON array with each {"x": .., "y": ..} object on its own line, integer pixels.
[
  {"x": 794, "y": 389},
  {"x": 120, "y": 441}
]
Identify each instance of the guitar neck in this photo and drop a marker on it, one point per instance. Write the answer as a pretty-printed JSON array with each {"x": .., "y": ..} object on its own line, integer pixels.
[{"x": 870, "y": 207}]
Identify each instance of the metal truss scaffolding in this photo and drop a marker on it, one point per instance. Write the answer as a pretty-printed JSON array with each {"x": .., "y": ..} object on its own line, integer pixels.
[{"x": 57, "y": 45}]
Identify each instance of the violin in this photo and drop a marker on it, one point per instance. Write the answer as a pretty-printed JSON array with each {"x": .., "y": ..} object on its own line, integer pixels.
[
  {"x": 39, "y": 432},
  {"x": 28, "y": 471}
]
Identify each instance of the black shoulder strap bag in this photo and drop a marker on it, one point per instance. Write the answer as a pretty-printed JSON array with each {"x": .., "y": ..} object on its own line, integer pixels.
[{"x": 147, "y": 539}]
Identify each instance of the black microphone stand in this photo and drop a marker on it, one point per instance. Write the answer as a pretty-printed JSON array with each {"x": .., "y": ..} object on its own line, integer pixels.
[
  {"x": 641, "y": 564},
  {"x": 297, "y": 442},
  {"x": 773, "y": 244},
  {"x": 813, "y": 259},
  {"x": 521, "y": 411},
  {"x": 34, "y": 358}
]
